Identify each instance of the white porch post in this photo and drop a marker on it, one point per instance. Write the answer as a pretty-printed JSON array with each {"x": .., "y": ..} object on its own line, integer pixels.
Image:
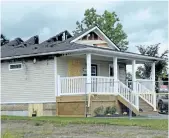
[
  {"x": 57, "y": 79},
  {"x": 55, "y": 72},
  {"x": 58, "y": 86},
  {"x": 115, "y": 75},
  {"x": 88, "y": 61},
  {"x": 153, "y": 84},
  {"x": 134, "y": 82}
]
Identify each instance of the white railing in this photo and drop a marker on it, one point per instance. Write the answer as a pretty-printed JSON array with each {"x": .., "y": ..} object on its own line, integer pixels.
[
  {"x": 128, "y": 94},
  {"x": 145, "y": 94},
  {"x": 102, "y": 84},
  {"x": 78, "y": 85},
  {"x": 73, "y": 85},
  {"x": 146, "y": 83}
]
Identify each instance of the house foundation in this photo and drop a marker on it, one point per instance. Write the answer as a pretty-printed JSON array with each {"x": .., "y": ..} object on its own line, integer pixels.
[
  {"x": 85, "y": 105},
  {"x": 29, "y": 109}
]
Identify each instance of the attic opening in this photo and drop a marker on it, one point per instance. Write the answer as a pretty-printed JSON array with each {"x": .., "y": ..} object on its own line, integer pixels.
[
  {"x": 91, "y": 36},
  {"x": 93, "y": 39}
]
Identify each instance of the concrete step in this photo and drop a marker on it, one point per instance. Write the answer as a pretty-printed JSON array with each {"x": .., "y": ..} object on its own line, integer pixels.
[
  {"x": 146, "y": 109},
  {"x": 148, "y": 113}
]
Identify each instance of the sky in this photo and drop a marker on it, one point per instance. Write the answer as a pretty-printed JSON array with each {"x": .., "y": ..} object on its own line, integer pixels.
[{"x": 144, "y": 22}]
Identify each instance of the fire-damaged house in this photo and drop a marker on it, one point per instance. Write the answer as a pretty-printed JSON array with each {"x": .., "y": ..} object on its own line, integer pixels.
[{"x": 55, "y": 76}]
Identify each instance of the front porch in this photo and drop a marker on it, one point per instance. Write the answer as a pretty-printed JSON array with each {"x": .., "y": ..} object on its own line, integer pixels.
[{"x": 90, "y": 83}]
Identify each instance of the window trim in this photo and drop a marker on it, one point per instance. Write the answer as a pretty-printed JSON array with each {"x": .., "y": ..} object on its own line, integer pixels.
[
  {"x": 98, "y": 69},
  {"x": 15, "y": 64}
]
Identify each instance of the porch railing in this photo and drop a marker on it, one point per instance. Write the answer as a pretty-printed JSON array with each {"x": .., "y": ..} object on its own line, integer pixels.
[
  {"x": 73, "y": 85},
  {"x": 101, "y": 84},
  {"x": 78, "y": 85},
  {"x": 105, "y": 85}
]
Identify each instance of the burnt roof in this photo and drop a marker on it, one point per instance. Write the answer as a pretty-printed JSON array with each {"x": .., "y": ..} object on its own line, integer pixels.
[
  {"x": 14, "y": 42},
  {"x": 47, "y": 47}
]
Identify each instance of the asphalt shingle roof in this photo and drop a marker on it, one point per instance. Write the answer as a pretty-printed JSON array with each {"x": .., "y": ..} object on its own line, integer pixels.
[
  {"x": 8, "y": 51},
  {"x": 21, "y": 49},
  {"x": 46, "y": 47}
]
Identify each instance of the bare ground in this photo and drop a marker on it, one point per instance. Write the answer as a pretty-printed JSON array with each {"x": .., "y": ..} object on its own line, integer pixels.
[{"x": 28, "y": 129}]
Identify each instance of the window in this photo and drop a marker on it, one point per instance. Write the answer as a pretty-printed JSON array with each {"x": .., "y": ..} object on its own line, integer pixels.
[
  {"x": 15, "y": 66},
  {"x": 93, "y": 70}
]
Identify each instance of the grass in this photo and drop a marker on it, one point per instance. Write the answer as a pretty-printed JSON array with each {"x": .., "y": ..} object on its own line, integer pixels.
[{"x": 157, "y": 124}]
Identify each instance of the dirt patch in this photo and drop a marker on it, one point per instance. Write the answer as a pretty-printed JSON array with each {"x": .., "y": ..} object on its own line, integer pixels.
[{"x": 32, "y": 129}]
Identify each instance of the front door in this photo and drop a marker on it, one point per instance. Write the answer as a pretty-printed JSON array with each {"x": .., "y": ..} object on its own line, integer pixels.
[
  {"x": 94, "y": 80},
  {"x": 93, "y": 70},
  {"x": 111, "y": 71}
]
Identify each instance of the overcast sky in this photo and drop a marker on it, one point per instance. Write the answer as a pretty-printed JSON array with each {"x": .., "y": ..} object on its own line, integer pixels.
[{"x": 144, "y": 22}]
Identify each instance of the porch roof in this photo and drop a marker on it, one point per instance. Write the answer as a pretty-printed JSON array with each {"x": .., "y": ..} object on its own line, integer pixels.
[{"x": 8, "y": 52}]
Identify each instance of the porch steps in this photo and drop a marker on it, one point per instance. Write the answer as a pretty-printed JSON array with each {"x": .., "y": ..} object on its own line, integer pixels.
[
  {"x": 146, "y": 109},
  {"x": 144, "y": 105}
]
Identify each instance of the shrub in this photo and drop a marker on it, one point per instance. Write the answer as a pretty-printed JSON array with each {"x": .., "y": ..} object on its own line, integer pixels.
[
  {"x": 113, "y": 110},
  {"x": 110, "y": 110},
  {"x": 99, "y": 111}
]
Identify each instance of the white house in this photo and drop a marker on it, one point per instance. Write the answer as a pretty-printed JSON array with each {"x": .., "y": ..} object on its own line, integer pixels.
[{"x": 33, "y": 75}]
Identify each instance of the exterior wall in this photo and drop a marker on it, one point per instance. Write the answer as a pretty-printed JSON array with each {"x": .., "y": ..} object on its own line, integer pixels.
[
  {"x": 14, "y": 109},
  {"x": 62, "y": 66},
  {"x": 99, "y": 43},
  {"x": 103, "y": 67},
  {"x": 122, "y": 73},
  {"x": 49, "y": 109},
  {"x": 34, "y": 83}
]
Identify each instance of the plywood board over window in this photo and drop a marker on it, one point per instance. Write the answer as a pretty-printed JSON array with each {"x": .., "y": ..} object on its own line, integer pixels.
[{"x": 74, "y": 67}]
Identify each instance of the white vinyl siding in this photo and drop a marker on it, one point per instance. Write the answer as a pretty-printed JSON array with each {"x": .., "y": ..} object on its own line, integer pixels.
[
  {"x": 33, "y": 83},
  {"x": 62, "y": 66},
  {"x": 122, "y": 73}
]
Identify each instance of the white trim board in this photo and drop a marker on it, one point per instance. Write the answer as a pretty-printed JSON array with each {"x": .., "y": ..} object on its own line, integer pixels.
[{"x": 55, "y": 73}]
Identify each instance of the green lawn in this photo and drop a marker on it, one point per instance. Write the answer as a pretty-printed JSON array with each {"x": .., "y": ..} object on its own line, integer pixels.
[{"x": 158, "y": 124}]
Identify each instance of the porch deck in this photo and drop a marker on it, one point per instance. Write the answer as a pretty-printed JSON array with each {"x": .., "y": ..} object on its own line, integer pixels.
[{"x": 107, "y": 86}]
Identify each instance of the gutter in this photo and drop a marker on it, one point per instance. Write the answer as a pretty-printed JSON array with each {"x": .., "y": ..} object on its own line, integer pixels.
[
  {"x": 43, "y": 54},
  {"x": 86, "y": 50}
]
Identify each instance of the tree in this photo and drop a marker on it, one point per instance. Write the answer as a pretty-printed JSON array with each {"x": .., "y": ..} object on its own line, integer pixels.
[
  {"x": 160, "y": 67},
  {"x": 128, "y": 76},
  {"x": 4, "y": 40},
  {"x": 108, "y": 22}
]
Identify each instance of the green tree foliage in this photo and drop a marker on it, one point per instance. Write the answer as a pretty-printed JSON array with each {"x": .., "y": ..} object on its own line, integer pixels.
[
  {"x": 4, "y": 40},
  {"x": 128, "y": 76},
  {"x": 160, "y": 67},
  {"x": 108, "y": 22}
]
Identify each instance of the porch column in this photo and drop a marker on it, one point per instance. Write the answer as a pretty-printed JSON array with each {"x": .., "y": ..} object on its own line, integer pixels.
[
  {"x": 55, "y": 72},
  {"x": 115, "y": 75},
  {"x": 88, "y": 61},
  {"x": 134, "y": 83},
  {"x": 153, "y": 84}
]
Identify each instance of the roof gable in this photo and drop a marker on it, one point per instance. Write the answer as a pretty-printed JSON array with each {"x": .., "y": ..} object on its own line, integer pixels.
[{"x": 100, "y": 34}]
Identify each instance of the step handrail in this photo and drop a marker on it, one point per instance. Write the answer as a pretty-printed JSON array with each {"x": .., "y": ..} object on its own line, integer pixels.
[
  {"x": 145, "y": 94},
  {"x": 127, "y": 94}
]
